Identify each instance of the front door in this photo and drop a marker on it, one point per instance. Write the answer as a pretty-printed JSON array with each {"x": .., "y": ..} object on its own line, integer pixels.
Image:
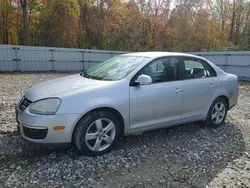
[{"x": 160, "y": 103}]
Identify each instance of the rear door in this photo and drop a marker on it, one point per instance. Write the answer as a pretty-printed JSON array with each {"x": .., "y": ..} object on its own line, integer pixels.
[{"x": 199, "y": 88}]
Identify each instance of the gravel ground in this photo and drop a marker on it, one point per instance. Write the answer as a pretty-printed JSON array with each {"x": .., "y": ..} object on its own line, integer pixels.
[{"x": 184, "y": 156}]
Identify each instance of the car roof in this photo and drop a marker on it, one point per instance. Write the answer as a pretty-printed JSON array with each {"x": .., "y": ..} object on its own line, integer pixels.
[
  {"x": 154, "y": 55},
  {"x": 158, "y": 54}
]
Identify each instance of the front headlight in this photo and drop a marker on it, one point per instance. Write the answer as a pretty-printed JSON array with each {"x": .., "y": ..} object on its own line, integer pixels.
[{"x": 45, "y": 106}]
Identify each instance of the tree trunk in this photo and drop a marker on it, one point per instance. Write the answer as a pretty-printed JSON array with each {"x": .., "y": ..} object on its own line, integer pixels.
[
  {"x": 25, "y": 22},
  {"x": 223, "y": 25},
  {"x": 3, "y": 27},
  {"x": 232, "y": 23},
  {"x": 5, "y": 30}
]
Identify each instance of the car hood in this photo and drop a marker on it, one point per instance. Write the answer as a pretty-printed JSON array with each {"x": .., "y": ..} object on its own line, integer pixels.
[{"x": 64, "y": 85}]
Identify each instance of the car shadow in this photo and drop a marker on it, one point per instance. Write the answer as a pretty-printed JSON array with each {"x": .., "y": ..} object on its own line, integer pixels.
[{"x": 188, "y": 155}]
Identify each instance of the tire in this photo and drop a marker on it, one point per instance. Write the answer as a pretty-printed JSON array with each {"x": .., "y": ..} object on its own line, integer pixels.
[
  {"x": 96, "y": 133},
  {"x": 217, "y": 113}
]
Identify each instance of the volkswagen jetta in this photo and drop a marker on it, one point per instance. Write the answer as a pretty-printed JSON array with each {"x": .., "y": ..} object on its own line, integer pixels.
[{"x": 127, "y": 94}]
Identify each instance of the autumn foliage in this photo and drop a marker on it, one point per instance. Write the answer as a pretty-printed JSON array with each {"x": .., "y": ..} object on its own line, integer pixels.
[{"x": 131, "y": 25}]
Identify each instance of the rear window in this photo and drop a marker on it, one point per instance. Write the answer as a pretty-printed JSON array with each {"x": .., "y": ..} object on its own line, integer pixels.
[{"x": 197, "y": 68}]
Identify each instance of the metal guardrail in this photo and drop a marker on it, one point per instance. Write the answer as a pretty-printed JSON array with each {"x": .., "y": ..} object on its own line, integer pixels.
[{"x": 44, "y": 59}]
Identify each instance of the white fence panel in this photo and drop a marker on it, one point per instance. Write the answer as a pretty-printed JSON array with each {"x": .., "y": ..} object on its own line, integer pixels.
[
  {"x": 7, "y": 59},
  {"x": 66, "y": 60},
  {"x": 65, "y": 66},
  {"x": 96, "y": 57},
  {"x": 239, "y": 60},
  {"x": 67, "y": 56},
  {"x": 218, "y": 60},
  {"x": 35, "y": 66},
  {"x": 31, "y": 58},
  {"x": 34, "y": 54},
  {"x": 34, "y": 59}
]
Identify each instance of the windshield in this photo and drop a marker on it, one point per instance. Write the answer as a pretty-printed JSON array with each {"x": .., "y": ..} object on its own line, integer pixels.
[{"x": 115, "y": 68}]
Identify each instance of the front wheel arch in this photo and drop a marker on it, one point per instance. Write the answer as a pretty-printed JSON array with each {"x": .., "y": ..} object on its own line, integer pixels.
[{"x": 114, "y": 111}]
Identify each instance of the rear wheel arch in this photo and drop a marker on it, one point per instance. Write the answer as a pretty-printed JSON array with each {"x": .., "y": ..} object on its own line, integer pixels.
[
  {"x": 217, "y": 114},
  {"x": 114, "y": 111},
  {"x": 225, "y": 98}
]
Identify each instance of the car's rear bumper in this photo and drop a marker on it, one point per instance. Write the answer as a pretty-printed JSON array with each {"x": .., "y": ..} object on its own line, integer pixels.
[
  {"x": 233, "y": 98},
  {"x": 40, "y": 128}
]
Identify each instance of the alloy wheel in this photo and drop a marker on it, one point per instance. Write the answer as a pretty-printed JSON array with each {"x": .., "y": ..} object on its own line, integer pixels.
[
  {"x": 100, "y": 134},
  {"x": 218, "y": 113}
]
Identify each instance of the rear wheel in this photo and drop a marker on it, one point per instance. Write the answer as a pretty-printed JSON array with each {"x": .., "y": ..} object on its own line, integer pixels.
[
  {"x": 96, "y": 133},
  {"x": 217, "y": 113}
]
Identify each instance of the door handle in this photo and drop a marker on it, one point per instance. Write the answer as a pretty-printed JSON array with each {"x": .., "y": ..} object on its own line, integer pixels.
[
  {"x": 212, "y": 86},
  {"x": 178, "y": 90}
]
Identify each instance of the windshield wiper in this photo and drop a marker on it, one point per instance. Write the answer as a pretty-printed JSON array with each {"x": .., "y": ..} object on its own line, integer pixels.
[
  {"x": 93, "y": 77},
  {"x": 85, "y": 75},
  {"x": 107, "y": 79}
]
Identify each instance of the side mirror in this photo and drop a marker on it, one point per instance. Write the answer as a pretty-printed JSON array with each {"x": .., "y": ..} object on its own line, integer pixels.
[{"x": 144, "y": 80}]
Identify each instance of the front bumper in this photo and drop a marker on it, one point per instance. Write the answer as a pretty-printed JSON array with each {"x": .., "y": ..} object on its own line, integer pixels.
[{"x": 39, "y": 128}]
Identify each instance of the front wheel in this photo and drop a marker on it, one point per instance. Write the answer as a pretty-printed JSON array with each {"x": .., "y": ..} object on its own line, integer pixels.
[
  {"x": 217, "y": 113},
  {"x": 96, "y": 133}
]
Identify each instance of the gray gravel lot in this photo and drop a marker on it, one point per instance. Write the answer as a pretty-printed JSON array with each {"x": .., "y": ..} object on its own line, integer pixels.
[{"x": 184, "y": 156}]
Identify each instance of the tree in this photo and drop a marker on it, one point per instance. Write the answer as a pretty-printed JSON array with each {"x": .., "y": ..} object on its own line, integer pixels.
[
  {"x": 4, "y": 7},
  {"x": 58, "y": 23},
  {"x": 24, "y": 5},
  {"x": 133, "y": 25}
]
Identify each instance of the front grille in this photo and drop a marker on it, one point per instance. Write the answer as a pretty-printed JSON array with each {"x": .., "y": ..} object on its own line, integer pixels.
[
  {"x": 24, "y": 103},
  {"x": 35, "y": 133}
]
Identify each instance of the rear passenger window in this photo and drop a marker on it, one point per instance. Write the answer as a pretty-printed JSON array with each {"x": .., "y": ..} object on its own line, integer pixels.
[
  {"x": 210, "y": 71},
  {"x": 196, "y": 68}
]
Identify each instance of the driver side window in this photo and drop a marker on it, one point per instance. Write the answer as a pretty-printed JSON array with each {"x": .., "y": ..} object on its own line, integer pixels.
[
  {"x": 157, "y": 66},
  {"x": 162, "y": 70}
]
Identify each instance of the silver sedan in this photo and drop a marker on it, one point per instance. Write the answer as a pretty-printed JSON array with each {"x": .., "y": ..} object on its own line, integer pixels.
[{"x": 127, "y": 94}]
